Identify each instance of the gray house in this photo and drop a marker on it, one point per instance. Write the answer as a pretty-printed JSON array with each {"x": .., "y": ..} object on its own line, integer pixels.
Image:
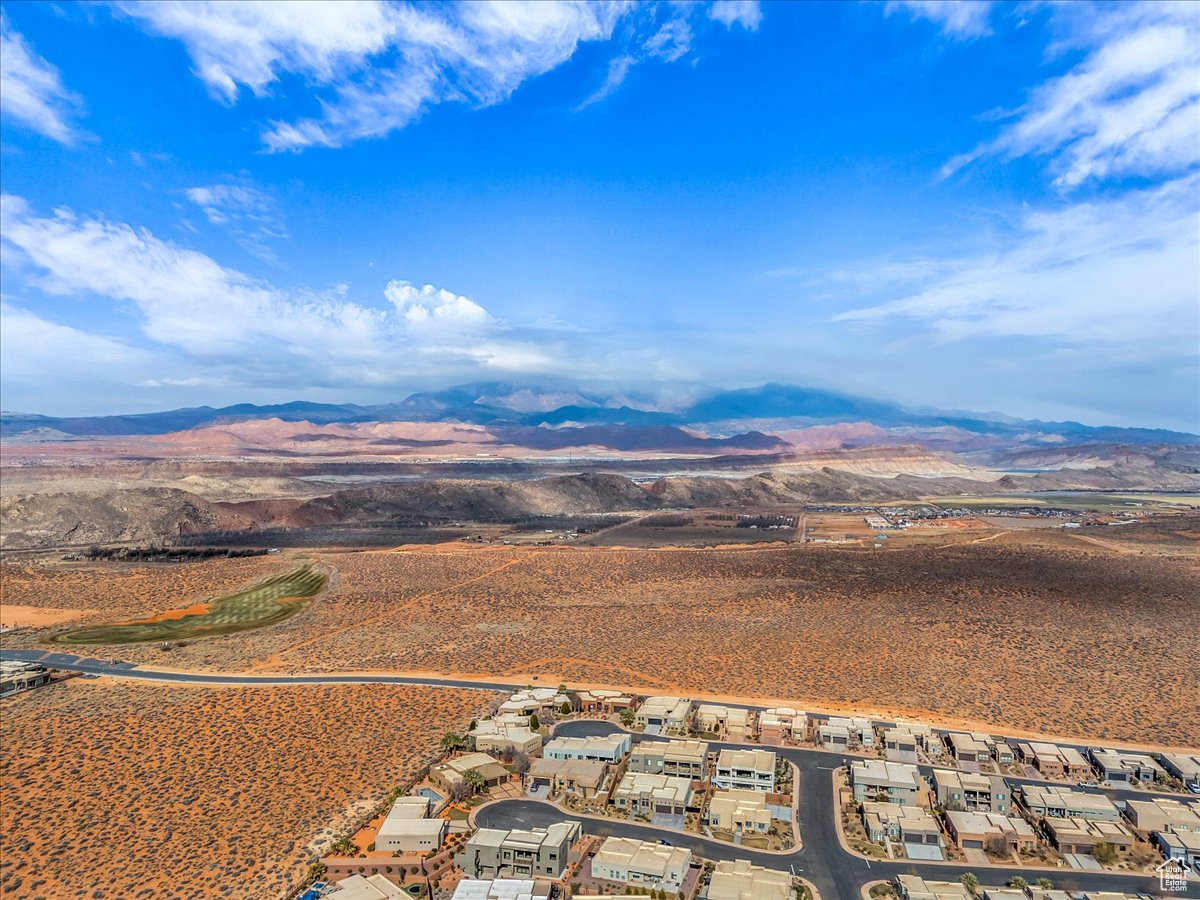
[{"x": 536, "y": 853}]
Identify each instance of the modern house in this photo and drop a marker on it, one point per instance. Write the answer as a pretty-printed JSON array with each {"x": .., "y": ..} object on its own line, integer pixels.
[
  {"x": 978, "y": 831},
  {"x": 752, "y": 770},
  {"x": 911, "y": 825},
  {"x": 1163, "y": 815},
  {"x": 1181, "y": 845},
  {"x": 1185, "y": 767},
  {"x": 449, "y": 775},
  {"x": 1055, "y": 801},
  {"x": 1052, "y": 760},
  {"x": 658, "y": 715},
  {"x": 679, "y": 759},
  {"x": 366, "y": 887},
  {"x": 1072, "y": 835},
  {"x": 900, "y": 745},
  {"x": 642, "y": 864},
  {"x": 886, "y": 782},
  {"x": 501, "y": 889},
  {"x": 603, "y": 702},
  {"x": 914, "y": 887},
  {"x": 727, "y": 722},
  {"x": 739, "y": 810},
  {"x": 608, "y": 748},
  {"x": 518, "y": 853},
  {"x": 1118, "y": 768},
  {"x": 504, "y": 734},
  {"x": 407, "y": 828},
  {"x": 646, "y": 794},
  {"x": 741, "y": 880},
  {"x": 841, "y": 733},
  {"x": 971, "y": 791},
  {"x": 532, "y": 701},
  {"x": 968, "y": 747},
  {"x": 584, "y": 777},
  {"x": 782, "y": 724},
  {"x": 18, "y": 676}
]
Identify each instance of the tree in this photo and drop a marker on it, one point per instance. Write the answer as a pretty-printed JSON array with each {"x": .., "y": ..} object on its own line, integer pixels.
[
  {"x": 1044, "y": 883},
  {"x": 627, "y": 717},
  {"x": 970, "y": 882},
  {"x": 474, "y": 780},
  {"x": 396, "y": 793},
  {"x": 316, "y": 871},
  {"x": 1105, "y": 853},
  {"x": 452, "y": 741},
  {"x": 520, "y": 762},
  {"x": 565, "y": 709},
  {"x": 1018, "y": 882},
  {"x": 343, "y": 847},
  {"x": 534, "y": 724}
]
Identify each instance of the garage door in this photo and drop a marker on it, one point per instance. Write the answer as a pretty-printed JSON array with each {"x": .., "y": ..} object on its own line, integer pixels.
[{"x": 972, "y": 845}]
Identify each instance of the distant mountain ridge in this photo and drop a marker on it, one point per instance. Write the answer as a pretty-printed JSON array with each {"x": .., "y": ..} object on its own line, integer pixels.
[{"x": 521, "y": 407}]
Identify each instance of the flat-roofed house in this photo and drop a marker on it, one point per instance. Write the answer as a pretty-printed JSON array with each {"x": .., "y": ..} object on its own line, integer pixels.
[
  {"x": 584, "y": 777},
  {"x": 607, "y": 748},
  {"x": 971, "y": 791},
  {"x": 965, "y": 746},
  {"x": 741, "y": 880},
  {"x": 680, "y": 759},
  {"x": 782, "y": 724},
  {"x": 407, "y": 828},
  {"x": 1056, "y": 801},
  {"x": 642, "y": 863},
  {"x": 908, "y": 824},
  {"x": 900, "y": 744},
  {"x": 532, "y": 701},
  {"x": 1181, "y": 845},
  {"x": 501, "y": 889},
  {"x": 449, "y": 774},
  {"x": 662, "y": 714},
  {"x": 887, "y": 782},
  {"x": 603, "y": 702},
  {"x": 17, "y": 676},
  {"x": 748, "y": 769},
  {"x": 1163, "y": 814},
  {"x": 520, "y": 853},
  {"x": 366, "y": 887},
  {"x": 1072, "y": 835},
  {"x": 977, "y": 830},
  {"x": 1118, "y": 768},
  {"x": 1184, "y": 766},
  {"x": 914, "y": 887},
  {"x": 504, "y": 734},
  {"x": 648, "y": 794},
  {"x": 732, "y": 722},
  {"x": 833, "y": 737},
  {"x": 858, "y": 732},
  {"x": 739, "y": 810}
]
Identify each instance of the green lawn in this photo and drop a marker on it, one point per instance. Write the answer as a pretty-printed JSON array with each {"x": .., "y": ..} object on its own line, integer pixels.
[{"x": 269, "y": 601}]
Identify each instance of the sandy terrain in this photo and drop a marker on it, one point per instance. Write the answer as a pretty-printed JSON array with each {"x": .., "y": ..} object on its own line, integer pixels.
[
  {"x": 1029, "y": 630},
  {"x": 115, "y": 790},
  {"x": 14, "y": 616}
]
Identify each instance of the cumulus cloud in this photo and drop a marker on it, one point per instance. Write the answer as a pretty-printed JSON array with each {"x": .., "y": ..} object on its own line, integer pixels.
[
  {"x": 376, "y": 66},
  {"x": 1116, "y": 278},
  {"x": 31, "y": 90},
  {"x": 958, "y": 19},
  {"x": 1129, "y": 107},
  {"x": 746, "y": 13},
  {"x": 250, "y": 215},
  {"x": 249, "y": 330}
]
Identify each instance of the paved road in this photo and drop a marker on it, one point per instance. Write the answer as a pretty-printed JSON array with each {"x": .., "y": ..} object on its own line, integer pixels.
[{"x": 836, "y": 873}]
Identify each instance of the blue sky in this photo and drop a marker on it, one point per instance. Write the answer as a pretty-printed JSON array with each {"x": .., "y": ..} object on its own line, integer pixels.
[{"x": 972, "y": 206}]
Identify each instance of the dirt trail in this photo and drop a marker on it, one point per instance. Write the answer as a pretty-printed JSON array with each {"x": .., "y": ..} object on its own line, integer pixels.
[{"x": 1115, "y": 548}]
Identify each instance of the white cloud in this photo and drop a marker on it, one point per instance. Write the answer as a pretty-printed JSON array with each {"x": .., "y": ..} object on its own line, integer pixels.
[
  {"x": 376, "y": 66},
  {"x": 1116, "y": 277},
  {"x": 247, "y": 331},
  {"x": 250, "y": 215},
  {"x": 1130, "y": 107},
  {"x": 746, "y": 13},
  {"x": 618, "y": 71},
  {"x": 33, "y": 347},
  {"x": 957, "y": 19},
  {"x": 31, "y": 91}
]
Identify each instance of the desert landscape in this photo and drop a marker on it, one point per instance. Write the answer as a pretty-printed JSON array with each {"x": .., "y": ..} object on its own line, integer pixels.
[{"x": 282, "y": 770}]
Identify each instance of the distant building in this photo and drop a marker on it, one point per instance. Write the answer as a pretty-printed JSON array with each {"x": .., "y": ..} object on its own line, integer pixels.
[
  {"x": 18, "y": 676},
  {"x": 1163, "y": 814},
  {"x": 1118, "y": 768},
  {"x": 842, "y": 733},
  {"x": 731, "y": 722},
  {"x": 532, "y": 701},
  {"x": 642, "y": 864},
  {"x": 519, "y": 853},
  {"x": 407, "y": 828},
  {"x": 1052, "y": 760},
  {"x": 752, "y": 770},
  {"x": 1055, "y": 801},
  {"x": 603, "y": 702}
]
